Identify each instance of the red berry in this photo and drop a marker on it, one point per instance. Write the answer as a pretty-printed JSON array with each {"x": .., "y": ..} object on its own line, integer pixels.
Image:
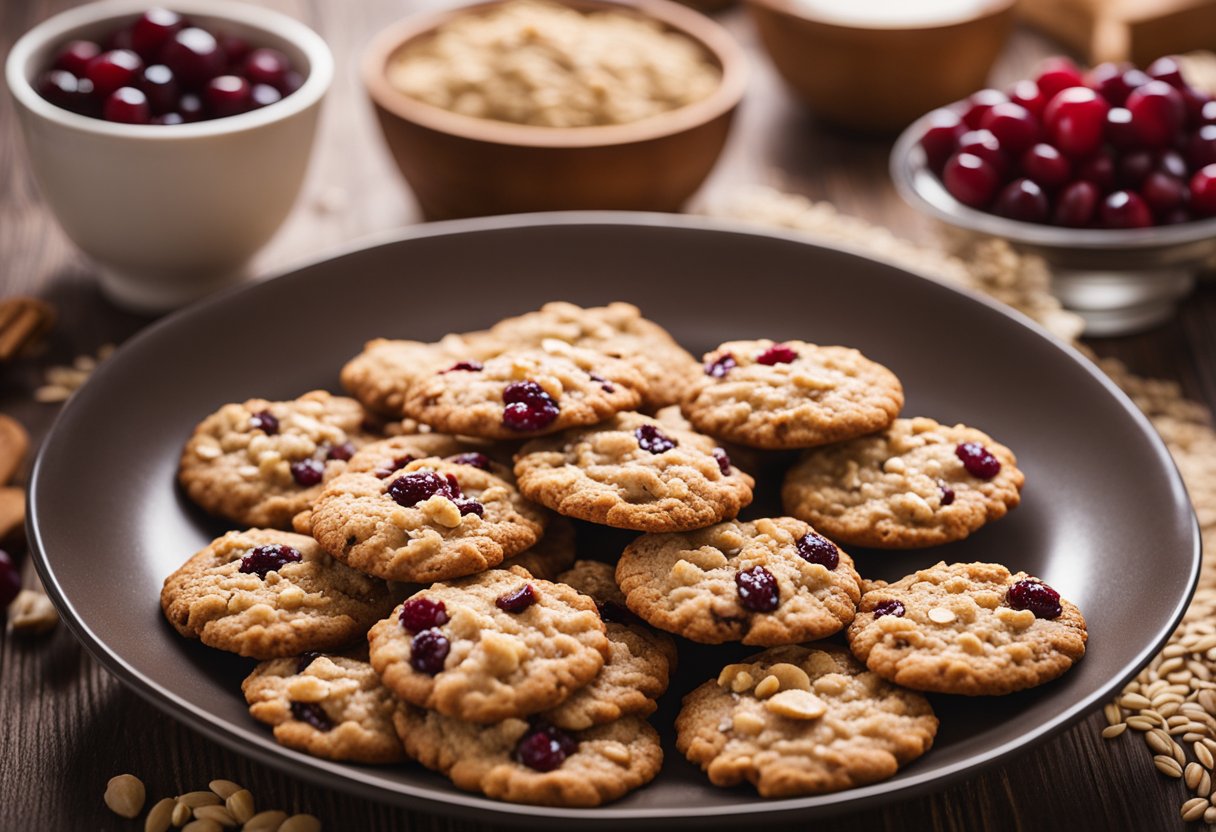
[
  {"x": 111, "y": 70},
  {"x": 1013, "y": 125},
  {"x": 428, "y": 650},
  {"x": 1028, "y": 94},
  {"x": 1201, "y": 148},
  {"x": 1023, "y": 200},
  {"x": 1163, "y": 192},
  {"x": 987, "y": 146},
  {"x": 1074, "y": 120},
  {"x": 757, "y": 589},
  {"x": 941, "y": 136},
  {"x": 267, "y": 66},
  {"x": 1157, "y": 113},
  {"x": 1134, "y": 167},
  {"x": 527, "y": 407},
  {"x": 1036, "y": 596},
  {"x": 889, "y": 607},
  {"x": 1119, "y": 130},
  {"x": 270, "y": 558},
  {"x": 127, "y": 105},
  {"x": 1167, "y": 69},
  {"x": 777, "y": 354},
  {"x": 1058, "y": 74},
  {"x": 1099, "y": 169},
  {"x": 418, "y": 614},
  {"x": 1203, "y": 191},
  {"x": 195, "y": 57},
  {"x": 1076, "y": 205},
  {"x": 75, "y": 57},
  {"x": 970, "y": 179},
  {"x": 1110, "y": 81},
  {"x": 653, "y": 440},
  {"x": 1125, "y": 209},
  {"x": 227, "y": 95},
  {"x": 978, "y": 460},
  {"x": 814, "y": 548},
  {"x": 159, "y": 85},
  {"x": 1046, "y": 166},
  {"x": 153, "y": 30},
  {"x": 980, "y": 103},
  {"x": 517, "y": 600},
  {"x": 1195, "y": 102}
]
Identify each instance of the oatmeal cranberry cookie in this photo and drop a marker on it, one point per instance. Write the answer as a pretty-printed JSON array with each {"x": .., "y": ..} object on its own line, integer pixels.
[
  {"x": 498, "y": 645},
  {"x": 802, "y": 720},
  {"x": 260, "y": 463},
  {"x": 327, "y": 706},
  {"x": 633, "y": 473},
  {"x": 765, "y": 582},
  {"x": 617, "y": 329},
  {"x": 967, "y": 628},
  {"x": 266, "y": 594},
  {"x": 381, "y": 375},
  {"x": 791, "y": 395},
  {"x": 638, "y": 669},
  {"x": 525, "y": 392},
  {"x": 554, "y": 553},
  {"x": 428, "y": 520},
  {"x": 524, "y": 762},
  {"x": 918, "y": 483}
]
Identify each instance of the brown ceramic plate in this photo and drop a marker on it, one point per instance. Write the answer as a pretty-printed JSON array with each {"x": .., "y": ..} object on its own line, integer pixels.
[{"x": 1105, "y": 518}]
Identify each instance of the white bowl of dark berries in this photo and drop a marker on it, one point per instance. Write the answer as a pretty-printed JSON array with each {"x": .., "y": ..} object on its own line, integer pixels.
[
  {"x": 1109, "y": 174},
  {"x": 170, "y": 142}
]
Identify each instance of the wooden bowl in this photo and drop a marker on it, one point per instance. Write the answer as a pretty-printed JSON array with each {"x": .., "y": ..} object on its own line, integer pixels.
[
  {"x": 880, "y": 78},
  {"x": 460, "y": 166}
]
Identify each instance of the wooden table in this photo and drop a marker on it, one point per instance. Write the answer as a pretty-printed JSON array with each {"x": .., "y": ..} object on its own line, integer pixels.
[{"x": 67, "y": 726}]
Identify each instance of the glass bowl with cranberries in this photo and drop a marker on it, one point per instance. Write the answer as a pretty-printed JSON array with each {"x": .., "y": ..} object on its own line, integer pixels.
[
  {"x": 1108, "y": 173},
  {"x": 170, "y": 142}
]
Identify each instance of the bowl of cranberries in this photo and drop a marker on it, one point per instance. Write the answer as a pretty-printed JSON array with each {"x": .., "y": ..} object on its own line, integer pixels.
[
  {"x": 170, "y": 142},
  {"x": 1108, "y": 173}
]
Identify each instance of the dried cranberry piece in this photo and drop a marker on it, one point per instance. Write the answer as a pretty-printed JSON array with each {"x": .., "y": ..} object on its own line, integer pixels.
[
  {"x": 417, "y": 486},
  {"x": 777, "y": 354},
  {"x": 306, "y": 659},
  {"x": 947, "y": 493},
  {"x": 307, "y": 472},
  {"x": 723, "y": 460},
  {"x": 1035, "y": 596},
  {"x": 517, "y": 601},
  {"x": 265, "y": 422},
  {"x": 313, "y": 714},
  {"x": 605, "y": 384},
  {"x": 978, "y": 461},
  {"x": 527, "y": 406},
  {"x": 465, "y": 366},
  {"x": 757, "y": 589},
  {"x": 544, "y": 748},
  {"x": 269, "y": 558},
  {"x": 720, "y": 366},
  {"x": 815, "y": 548},
  {"x": 10, "y": 580},
  {"x": 428, "y": 650},
  {"x": 418, "y": 614},
  {"x": 654, "y": 440},
  {"x": 468, "y": 505},
  {"x": 889, "y": 607},
  {"x": 393, "y": 465},
  {"x": 618, "y": 613},
  {"x": 342, "y": 452},
  {"x": 475, "y": 459}
]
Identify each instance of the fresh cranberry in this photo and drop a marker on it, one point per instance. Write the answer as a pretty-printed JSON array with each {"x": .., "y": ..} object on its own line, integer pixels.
[
  {"x": 265, "y": 422},
  {"x": 1119, "y": 130},
  {"x": 723, "y": 460},
  {"x": 127, "y": 105},
  {"x": 970, "y": 179},
  {"x": 1176, "y": 216},
  {"x": 468, "y": 505},
  {"x": 236, "y": 49},
  {"x": 1125, "y": 209},
  {"x": 978, "y": 461},
  {"x": 465, "y": 366},
  {"x": 1157, "y": 113},
  {"x": 1013, "y": 125},
  {"x": 517, "y": 601},
  {"x": 987, "y": 146},
  {"x": 307, "y": 472},
  {"x": 267, "y": 66},
  {"x": 1027, "y": 94},
  {"x": 1023, "y": 200},
  {"x": 941, "y": 136},
  {"x": 1171, "y": 162},
  {"x": 1046, "y": 166},
  {"x": 291, "y": 82},
  {"x": 313, "y": 714},
  {"x": 60, "y": 87},
  {"x": 1134, "y": 167},
  {"x": 342, "y": 452},
  {"x": 889, "y": 607},
  {"x": 1109, "y": 80},
  {"x": 1074, "y": 119},
  {"x": 118, "y": 39},
  {"x": 168, "y": 118},
  {"x": 153, "y": 30},
  {"x": 111, "y": 70},
  {"x": 227, "y": 95},
  {"x": 1203, "y": 191},
  {"x": 10, "y": 580},
  {"x": 195, "y": 57},
  {"x": 606, "y": 385},
  {"x": 1057, "y": 74},
  {"x": 269, "y": 558},
  {"x": 159, "y": 85},
  {"x": 544, "y": 748},
  {"x": 1167, "y": 69},
  {"x": 418, "y": 614},
  {"x": 528, "y": 407},
  {"x": 777, "y": 354},
  {"x": 1076, "y": 205},
  {"x": 1163, "y": 193},
  {"x": 653, "y": 440},
  {"x": 76, "y": 56},
  {"x": 978, "y": 104},
  {"x": 1035, "y": 596},
  {"x": 418, "y": 486},
  {"x": 720, "y": 366},
  {"x": 815, "y": 548},
  {"x": 428, "y": 649},
  {"x": 263, "y": 95},
  {"x": 757, "y": 589},
  {"x": 947, "y": 493},
  {"x": 191, "y": 107},
  {"x": 1201, "y": 147},
  {"x": 1099, "y": 169}
]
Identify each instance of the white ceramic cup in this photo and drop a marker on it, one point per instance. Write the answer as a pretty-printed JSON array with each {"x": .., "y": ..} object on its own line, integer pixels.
[{"x": 170, "y": 212}]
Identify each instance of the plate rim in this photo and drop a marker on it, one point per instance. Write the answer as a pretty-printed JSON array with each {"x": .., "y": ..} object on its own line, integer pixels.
[{"x": 364, "y": 781}]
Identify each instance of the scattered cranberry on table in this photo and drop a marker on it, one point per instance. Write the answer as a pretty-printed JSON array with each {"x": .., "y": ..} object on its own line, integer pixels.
[
  {"x": 1115, "y": 147},
  {"x": 163, "y": 69}
]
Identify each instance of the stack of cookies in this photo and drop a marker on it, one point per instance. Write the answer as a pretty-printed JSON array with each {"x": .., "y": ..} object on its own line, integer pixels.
[{"x": 407, "y": 568}]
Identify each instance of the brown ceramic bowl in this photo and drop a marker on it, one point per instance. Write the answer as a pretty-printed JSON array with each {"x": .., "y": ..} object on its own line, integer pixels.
[
  {"x": 875, "y": 77},
  {"x": 460, "y": 166}
]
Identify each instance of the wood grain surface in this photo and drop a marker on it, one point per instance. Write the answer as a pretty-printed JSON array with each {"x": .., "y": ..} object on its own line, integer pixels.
[{"x": 66, "y": 726}]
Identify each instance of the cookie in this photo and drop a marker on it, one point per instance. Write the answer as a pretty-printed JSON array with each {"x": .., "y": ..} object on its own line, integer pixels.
[
  {"x": 524, "y": 392},
  {"x": 764, "y": 582},
  {"x": 327, "y": 706},
  {"x": 260, "y": 463},
  {"x": 967, "y": 628},
  {"x": 631, "y": 472},
  {"x": 380, "y": 376},
  {"x": 638, "y": 669},
  {"x": 267, "y": 594},
  {"x": 918, "y": 483},
  {"x": 522, "y": 763},
  {"x": 791, "y": 395},
  {"x": 498, "y": 645},
  {"x": 617, "y": 329},
  {"x": 554, "y": 553},
  {"x": 429, "y": 520},
  {"x": 802, "y": 720}
]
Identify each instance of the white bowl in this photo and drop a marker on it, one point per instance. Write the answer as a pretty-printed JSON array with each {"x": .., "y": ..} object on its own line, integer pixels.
[{"x": 170, "y": 212}]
